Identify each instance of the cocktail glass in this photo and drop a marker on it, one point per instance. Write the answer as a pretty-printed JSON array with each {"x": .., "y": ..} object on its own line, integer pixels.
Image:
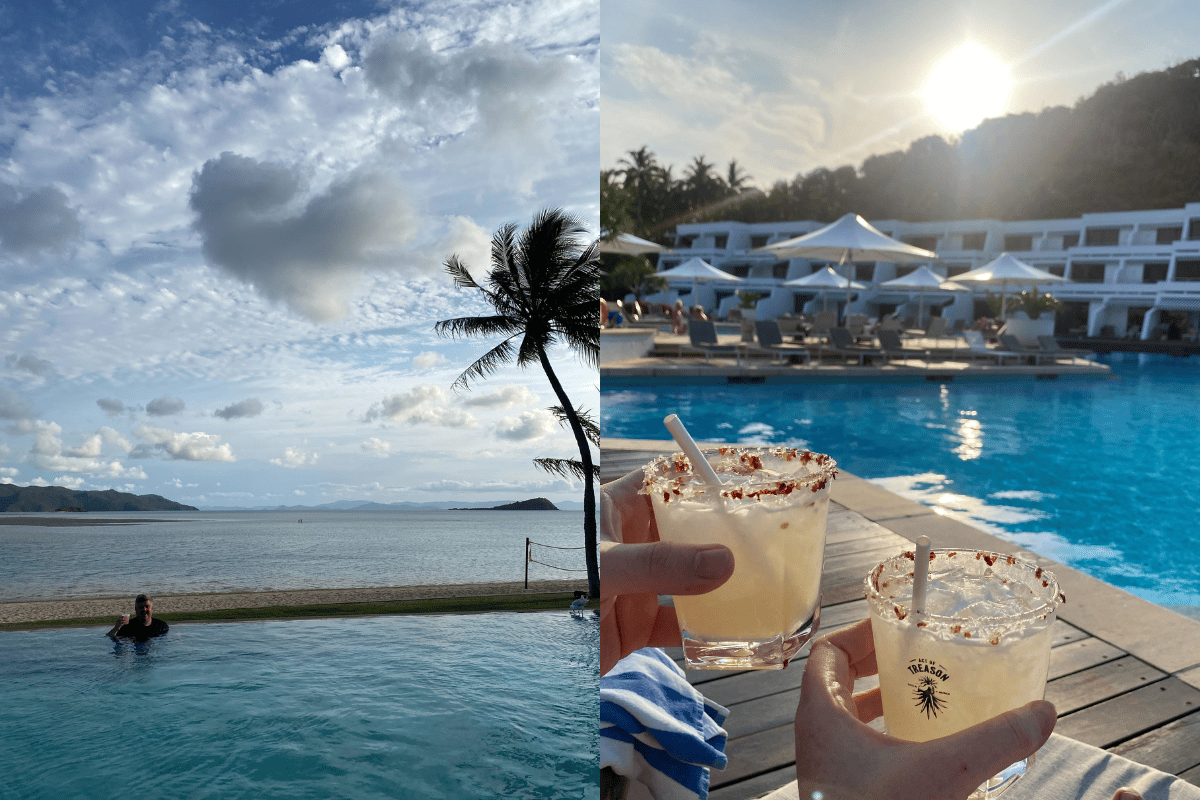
[
  {"x": 980, "y": 648},
  {"x": 770, "y": 511}
]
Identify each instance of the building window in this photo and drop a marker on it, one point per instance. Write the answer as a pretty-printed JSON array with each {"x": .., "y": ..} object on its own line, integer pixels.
[
  {"x": 1153, "y": 273},
  {"x": 974, "y": 241},
  {"x": 1070, "y": 240},
  {"x": 1102, "y": 237},
  {"x": 779, "y": 270},
  {"x": 1187, "y": 270},
  {"x": 759, "y": 241},
  {"x": 957, "y": 269},
  {"x": 864, "y": 272},
  {"x": 1057, "y": 269},
  {"x": 923, "y": 242},
  {"x": 1168, "y": 235},
  {"x": 685, "y": 240},
  {"x": 1194, "y": 228},
  {"x": 1087, "y": 273},
  {"x": 1018, "y": 242},
  {"x": 905, "y": 270},
  {"x": 741, "y": 270},
  {"x": 721, "y": 240}
]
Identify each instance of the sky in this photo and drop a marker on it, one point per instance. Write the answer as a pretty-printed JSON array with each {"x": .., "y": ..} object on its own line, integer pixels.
[
  {"x": 222, "y": 236},
  {"x": 785, "y": 87}
]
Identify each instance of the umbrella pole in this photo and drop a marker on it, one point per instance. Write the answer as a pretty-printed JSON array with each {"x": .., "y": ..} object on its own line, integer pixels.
[{"x": 849, "y": 269}]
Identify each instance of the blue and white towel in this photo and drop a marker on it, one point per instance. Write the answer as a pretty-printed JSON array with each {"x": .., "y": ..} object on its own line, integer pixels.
[{"x": 658, "y": 730}]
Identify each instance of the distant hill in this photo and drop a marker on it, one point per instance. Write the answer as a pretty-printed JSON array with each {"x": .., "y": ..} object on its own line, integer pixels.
[
  {"x": 536, "y": 504},
  {"x": 367, "y": 505},
  {"x": 56, "y": 498}
]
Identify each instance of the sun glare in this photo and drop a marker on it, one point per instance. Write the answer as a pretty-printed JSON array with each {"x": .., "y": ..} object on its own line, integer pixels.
[{"x": 968, "y": 86}]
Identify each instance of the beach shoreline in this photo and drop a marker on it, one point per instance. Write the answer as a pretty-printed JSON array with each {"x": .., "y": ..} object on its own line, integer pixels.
[{"x": 36, "y": 612}]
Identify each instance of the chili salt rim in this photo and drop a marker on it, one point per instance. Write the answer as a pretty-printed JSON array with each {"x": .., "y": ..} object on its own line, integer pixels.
[
  {"x": 670, "y": 475},
  {"x": 976, "y": 625}
]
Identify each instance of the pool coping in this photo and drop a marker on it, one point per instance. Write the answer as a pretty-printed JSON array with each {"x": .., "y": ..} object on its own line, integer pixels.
[{"x": 1162, "y": 638}]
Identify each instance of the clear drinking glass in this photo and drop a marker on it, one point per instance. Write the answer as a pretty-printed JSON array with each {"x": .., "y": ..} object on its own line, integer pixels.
[
  {"x": 770, "y": 511},
  {"x": 982, "y": 646}
]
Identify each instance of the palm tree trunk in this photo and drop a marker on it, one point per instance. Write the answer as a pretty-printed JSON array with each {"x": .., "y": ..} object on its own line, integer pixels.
[{"x": 589, "y": 491}]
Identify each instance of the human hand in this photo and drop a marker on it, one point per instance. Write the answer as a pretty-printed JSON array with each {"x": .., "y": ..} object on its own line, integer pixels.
[
  {"x": 841, "y": 757},
  {"x": 635, "y": 567},
  {"x": 124, "y": 620}
]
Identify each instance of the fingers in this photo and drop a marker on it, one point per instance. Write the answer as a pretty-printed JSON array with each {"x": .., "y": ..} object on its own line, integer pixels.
[
  {"x": 1125, "y": 793},
  {"x": 858, "y": 645},
  {"x": 625, "y": 513},
  {"x": 664, "y": 568},
  {"x": 970, "y": 757}
]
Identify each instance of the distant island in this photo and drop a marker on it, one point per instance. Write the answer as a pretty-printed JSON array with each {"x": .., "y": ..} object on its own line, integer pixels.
[
  {"x": 56, "y": 498},
  {"x": 536, "y": 504}
]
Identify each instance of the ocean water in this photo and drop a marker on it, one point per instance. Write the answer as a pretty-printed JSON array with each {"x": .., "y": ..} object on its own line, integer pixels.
[
  {"x": 1101, "y": 475},
  {"x": 444, "y": 706},
  {"x": 222, "y": 551}
]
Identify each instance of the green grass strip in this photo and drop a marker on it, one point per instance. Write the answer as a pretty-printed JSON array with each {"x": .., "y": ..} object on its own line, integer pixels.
[{"x": 444, "y": 605}]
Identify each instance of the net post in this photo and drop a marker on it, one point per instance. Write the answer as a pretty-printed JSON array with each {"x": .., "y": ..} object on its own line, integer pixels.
[{"x": 526, "y": 562}]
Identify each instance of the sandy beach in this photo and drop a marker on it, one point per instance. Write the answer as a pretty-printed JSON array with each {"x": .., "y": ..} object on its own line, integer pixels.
[{"x": 43, "y": 610}]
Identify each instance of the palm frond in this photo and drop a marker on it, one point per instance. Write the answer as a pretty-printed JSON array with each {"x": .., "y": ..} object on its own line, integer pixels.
[
  {"x": 566, "y": 468},
  {"x": 486, "y": 364},
  {"x": 495, "y": 325},
  {"x": 590, "y": 429}
]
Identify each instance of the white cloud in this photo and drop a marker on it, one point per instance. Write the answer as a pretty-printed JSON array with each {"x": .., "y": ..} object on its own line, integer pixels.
[
  {"x": 428, "y": 359},
  {"x": 181, "y": 446},
  {"x": 293, "y": 458},
  {"x": 547, "y": 485},
  {"x": 421, "y": 404},
  {"x": 13, "y": 406},
  {"x": 47, "y": 452},
  {"x": 69, "y": 482},
  {"x": 445, "y": 417},
  {"x": 36, "y": 219},
  {"x": 9, "y": 472},
  {"x": 377, "y": 447},
  {"x": 511, "y": 395},
  {"x": 31, "y": 364},
  {"x": 526, "y": 427}
]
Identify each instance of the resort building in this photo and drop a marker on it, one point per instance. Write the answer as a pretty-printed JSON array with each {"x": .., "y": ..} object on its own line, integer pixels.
[{"x": 1129, "y": 274}]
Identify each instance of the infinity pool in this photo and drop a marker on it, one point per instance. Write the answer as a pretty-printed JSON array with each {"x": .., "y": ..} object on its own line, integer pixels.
[
  {"x": 1101, "y": 475},
  {"x": 445, "y": 706}
]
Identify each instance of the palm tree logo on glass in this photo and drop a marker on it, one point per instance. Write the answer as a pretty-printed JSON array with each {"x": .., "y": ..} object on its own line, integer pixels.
[{"x": 928, "y": 698}]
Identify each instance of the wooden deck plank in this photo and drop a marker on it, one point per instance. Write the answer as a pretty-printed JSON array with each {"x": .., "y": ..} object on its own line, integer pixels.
[
  {"x": 765, "y": 751},
  {"x": 754, "y": 787},
  {"x": 1102, "y": 682},
  {"x": 1113, "y": 721},
  {"x": 1173, "y": 748},
  {"x": 1080, "y": 655},
  {"x": 1192, "y": 776}
]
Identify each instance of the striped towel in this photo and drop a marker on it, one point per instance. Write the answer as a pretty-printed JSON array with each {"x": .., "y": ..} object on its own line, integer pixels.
[{"x": 656, "y": 729}]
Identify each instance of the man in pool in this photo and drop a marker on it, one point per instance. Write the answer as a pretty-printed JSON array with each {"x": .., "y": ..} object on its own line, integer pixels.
[{"x": 141, "y": 627}]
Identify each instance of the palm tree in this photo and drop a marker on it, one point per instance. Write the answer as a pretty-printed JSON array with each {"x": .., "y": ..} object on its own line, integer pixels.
[{"x": 544, "y": 287}]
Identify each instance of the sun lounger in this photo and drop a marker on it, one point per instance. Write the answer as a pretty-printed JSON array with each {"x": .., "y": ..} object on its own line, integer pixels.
[
  {"x": 1013, "y": 344},
  {"x": 976, "y": 346},
  {"x": 894, "y": 347},
  {"x": 841, "y": 343},
  {"x": 770, "y": 338},
  {"x": 703, "y": 334}
]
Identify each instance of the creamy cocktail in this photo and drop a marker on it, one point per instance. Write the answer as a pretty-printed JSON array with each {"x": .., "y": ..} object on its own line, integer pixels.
[
  {"x": 770, "y": 511},
  {"x": 980, "y": 648}
]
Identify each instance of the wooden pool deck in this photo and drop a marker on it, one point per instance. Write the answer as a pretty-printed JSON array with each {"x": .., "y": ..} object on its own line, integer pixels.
[{"x": 1124, "y": 673}]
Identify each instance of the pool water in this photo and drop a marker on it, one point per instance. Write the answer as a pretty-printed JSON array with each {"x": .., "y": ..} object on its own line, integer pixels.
[
  {"x": 1101, "y": 475},
  {"x": 441, "y": 706}
]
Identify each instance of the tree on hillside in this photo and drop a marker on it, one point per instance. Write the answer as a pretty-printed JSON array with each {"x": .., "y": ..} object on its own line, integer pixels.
[{"x": 543, "y": 286}]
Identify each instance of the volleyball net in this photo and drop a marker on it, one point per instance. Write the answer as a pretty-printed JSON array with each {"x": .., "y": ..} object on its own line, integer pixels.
[{"x": 563, "y": 559}]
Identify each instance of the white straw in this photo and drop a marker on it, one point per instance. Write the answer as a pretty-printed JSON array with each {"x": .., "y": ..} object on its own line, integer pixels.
[
  {"x": 691, "y": 450},
  {"x": 920, "y": 575}
]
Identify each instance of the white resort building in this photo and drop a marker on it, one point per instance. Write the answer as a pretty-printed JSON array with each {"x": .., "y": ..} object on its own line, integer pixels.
[{"x": 1129, "y": 273}]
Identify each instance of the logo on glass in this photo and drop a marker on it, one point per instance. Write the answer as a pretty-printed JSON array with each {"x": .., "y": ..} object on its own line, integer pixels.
[{"x": 927, "y": 694}]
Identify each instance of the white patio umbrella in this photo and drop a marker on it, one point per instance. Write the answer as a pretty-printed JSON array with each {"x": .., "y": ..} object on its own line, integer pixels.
[
  {"x": 1008, "y": 269},
  {"x": 698, "y": 270},
  {"x": 825, "y": 278},
  {"x": 849, "y": 239},
  {"x": 921, "y": 279},
  {"x": 630, "y": 245}
]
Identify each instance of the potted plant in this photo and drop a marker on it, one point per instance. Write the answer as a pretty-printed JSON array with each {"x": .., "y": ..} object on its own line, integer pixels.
[
  {"x": 747, "y": 305},
  {"x": 1032, "y": 315}
]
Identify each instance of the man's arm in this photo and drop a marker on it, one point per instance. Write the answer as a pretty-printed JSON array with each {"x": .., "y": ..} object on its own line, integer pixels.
[{"x": 112, "y": 634}]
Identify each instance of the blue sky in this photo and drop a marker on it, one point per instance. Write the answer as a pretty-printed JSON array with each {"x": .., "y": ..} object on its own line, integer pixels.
[
  {"x": 785, "y": 87},
  {"x": 222, "y": 229}
]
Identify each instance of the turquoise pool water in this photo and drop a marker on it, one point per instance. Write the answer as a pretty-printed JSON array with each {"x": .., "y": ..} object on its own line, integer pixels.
[
  {"x": 1101, "y": 475},
  {"x": 444, "y": 706}
]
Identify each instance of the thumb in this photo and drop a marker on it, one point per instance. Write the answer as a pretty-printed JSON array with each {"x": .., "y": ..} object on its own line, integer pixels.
[
  {"x": 968, "y": 758},
  {"x": 664, "y": 568}
]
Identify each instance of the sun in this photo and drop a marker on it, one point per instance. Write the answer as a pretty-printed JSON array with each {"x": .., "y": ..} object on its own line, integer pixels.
[{"x": 967, "y": 87}]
